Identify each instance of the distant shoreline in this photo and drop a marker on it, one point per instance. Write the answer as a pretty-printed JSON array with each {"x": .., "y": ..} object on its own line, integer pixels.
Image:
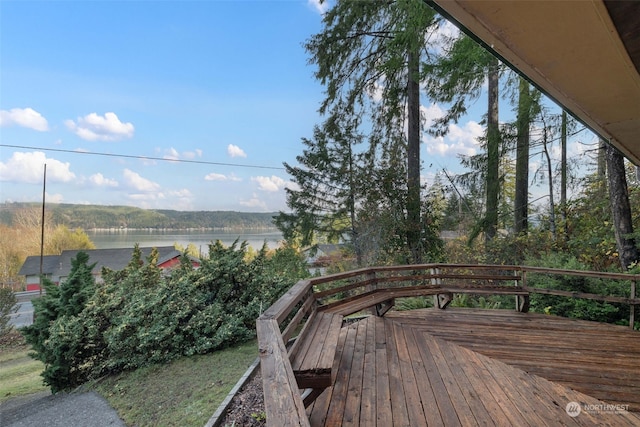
[{"x": 152, "y": 229}]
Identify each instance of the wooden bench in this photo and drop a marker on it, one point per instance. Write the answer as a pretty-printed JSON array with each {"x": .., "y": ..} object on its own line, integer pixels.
[
  {"x": 312, "y": 355},
  {"x": 382, "y": 300}
]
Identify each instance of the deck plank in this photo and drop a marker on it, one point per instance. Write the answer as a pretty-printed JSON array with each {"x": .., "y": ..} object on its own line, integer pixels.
[
  {"x": 597, "y": 359},
  {"x": 448, "y": 415},
  {"x": 468, "y": 411},
  {"x": 351, "y": 415},
  {"x": 399, "y": 410},
  {"x": 403, "y": 370},
  {"x": 429, "y": 401},
  {"x": 336, "y": 406},
  {"x": 368, "y": 404},
  {"x": 383, "y": 390},
  {"x": 411, "y": 392}
]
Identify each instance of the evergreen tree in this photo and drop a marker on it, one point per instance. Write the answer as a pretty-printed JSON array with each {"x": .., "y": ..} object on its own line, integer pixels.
[
  {"x": 329, "y": 181},
  {"x": 457, "y": 79},
  {"x": 369, "y": 56},
  {"x": 56, "y": 324},
  {"x": 78, "y": 287}
]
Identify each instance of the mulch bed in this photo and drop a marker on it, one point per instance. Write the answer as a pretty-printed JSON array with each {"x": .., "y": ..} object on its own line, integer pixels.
[{"x": 247, "y": 407}]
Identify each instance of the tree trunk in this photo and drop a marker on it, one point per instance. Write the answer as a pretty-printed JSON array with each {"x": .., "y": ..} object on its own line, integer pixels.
[
  {"x": 493, "y": 155},
  {"x": 521, "y": 223},
  {"x": 552, "y": 206},
  {"x": 563, "y": 177},
  {"x": 620, "y": 208},
  {"x": 413, "y": 158}
]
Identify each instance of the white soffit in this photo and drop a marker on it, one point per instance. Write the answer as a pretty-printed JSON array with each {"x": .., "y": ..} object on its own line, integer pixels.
[{"x": 572, "y": 51}]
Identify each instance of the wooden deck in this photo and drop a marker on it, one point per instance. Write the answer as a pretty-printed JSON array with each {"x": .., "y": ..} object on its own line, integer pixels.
[{"x": 480, "y": 367}]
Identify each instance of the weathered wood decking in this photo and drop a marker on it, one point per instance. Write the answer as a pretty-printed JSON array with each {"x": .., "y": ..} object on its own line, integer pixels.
[
  {"x": 469, "y": 367},
  {"x": 444, "y": 366}
]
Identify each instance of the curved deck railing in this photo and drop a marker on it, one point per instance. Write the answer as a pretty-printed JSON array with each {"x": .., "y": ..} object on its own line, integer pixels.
[{"x": 296, "y": 315}]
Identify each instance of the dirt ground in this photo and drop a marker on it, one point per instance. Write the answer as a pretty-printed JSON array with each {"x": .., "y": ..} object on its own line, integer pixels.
[{"x": 247, "y": 407}]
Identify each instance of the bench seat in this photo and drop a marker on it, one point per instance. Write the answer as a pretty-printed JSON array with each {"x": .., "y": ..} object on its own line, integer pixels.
[{"x": 312, "y": 357}]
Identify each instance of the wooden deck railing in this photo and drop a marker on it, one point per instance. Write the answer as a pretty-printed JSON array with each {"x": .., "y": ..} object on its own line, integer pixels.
[{"x": 299, "y": 311}]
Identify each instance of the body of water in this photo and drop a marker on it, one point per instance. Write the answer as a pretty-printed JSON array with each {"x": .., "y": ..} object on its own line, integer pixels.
[{"x": 107, "y": 239}]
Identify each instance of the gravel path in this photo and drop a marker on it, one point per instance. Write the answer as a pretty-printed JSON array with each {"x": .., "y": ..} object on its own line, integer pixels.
[{"x": 60, "y": 410}]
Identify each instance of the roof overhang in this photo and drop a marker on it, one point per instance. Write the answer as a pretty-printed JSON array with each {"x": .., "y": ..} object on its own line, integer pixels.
[{"x": 583, "y": 54}]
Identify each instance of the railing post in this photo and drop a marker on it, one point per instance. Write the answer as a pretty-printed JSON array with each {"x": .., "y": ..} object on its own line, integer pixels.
[
  {"x": 371, "y": 277},
  {"x": 632, "y": 307},
  {"x": 435, "y": 281},
  {"x": 515, "y": 282}
]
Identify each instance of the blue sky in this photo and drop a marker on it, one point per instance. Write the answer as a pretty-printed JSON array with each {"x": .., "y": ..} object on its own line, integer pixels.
[{"x": 225, "y": 85}]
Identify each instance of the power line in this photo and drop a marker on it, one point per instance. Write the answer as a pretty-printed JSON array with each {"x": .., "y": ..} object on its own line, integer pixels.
[{"x": 201, "y": 162}]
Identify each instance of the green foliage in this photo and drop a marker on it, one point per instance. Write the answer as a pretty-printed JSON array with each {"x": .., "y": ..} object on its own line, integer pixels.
[
  {"x": 576, "y": 307},
  {"x": 55, "y": 328},
  {"x": 360, "y": 176},
  {"x": 46, "y": 310},
  {"x": 79, "y": 286},
  {"x": 329, "y": 181},
  {"x": 62, "y": 238},
  {"x": 413, "y": 303},
  {"x": 471, "y": 301},
  {"x": 139, "y": 316},
  {"x": 8, "y": 302}
]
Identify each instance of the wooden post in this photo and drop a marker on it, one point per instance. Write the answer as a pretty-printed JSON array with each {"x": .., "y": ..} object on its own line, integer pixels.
[
  {"x": 520, "y": 303},
  {"x": 632, "y": 307},
  {"x": 435, "y": 282},
  {"x": 371, "y": 277}
]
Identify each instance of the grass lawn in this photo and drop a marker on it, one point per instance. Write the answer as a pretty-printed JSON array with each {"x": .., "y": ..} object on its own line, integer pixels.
[
  {"x": 19, "y": 374},
  {"x": 185, "y": 392}
]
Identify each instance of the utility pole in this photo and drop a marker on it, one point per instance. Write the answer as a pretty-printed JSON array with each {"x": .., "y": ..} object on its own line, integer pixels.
[{"x": 44, "y": 189}]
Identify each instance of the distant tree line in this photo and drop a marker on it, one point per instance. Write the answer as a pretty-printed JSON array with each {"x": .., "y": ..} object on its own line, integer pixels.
[{"x": 88, "y": 217}]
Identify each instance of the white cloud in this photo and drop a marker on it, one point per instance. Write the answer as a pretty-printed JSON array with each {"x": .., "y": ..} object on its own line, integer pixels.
[
  {"x": 459, "y": 140},
  {"x": 173, "y": 154},
  {"x": 253, "y": 203},
  {"x": 376, "y": 91},
  {"x": 54, "y": 198},
  {"x": 221, "y": 177},
  {"x": 183, "y": 193},
  {"x": 180, "y": 199},
  {"x": 29, "y": 168},
  {"x": 431, "y": 113},
  {"x": 320, "y": 6},
  {"x": 270, "y": 184},
  {"x": 235, "y": 151},
  {"x": 190, "y": 155},
  {"x": 138, "y": 183},
  {"x": 93, "y": 127},
  {"x": 443, "y": 36},
  {"x": 99, "y": 180},
  {"x": 215, "y": 177},
  {"x": 25, "y": 117}
]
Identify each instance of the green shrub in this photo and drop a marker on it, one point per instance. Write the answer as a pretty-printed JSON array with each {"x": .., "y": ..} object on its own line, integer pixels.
[
  {"x": 8, "y": 302},
  {"x": 138, "y": 316},
  {"x": 576, "y": 307}
]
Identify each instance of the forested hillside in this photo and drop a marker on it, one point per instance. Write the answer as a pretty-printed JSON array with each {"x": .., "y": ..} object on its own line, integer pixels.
[{"x": 89, "y": 217}]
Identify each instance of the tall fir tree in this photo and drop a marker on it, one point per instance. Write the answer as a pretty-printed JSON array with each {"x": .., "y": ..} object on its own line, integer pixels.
[{"x": 369, "y": 58}]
